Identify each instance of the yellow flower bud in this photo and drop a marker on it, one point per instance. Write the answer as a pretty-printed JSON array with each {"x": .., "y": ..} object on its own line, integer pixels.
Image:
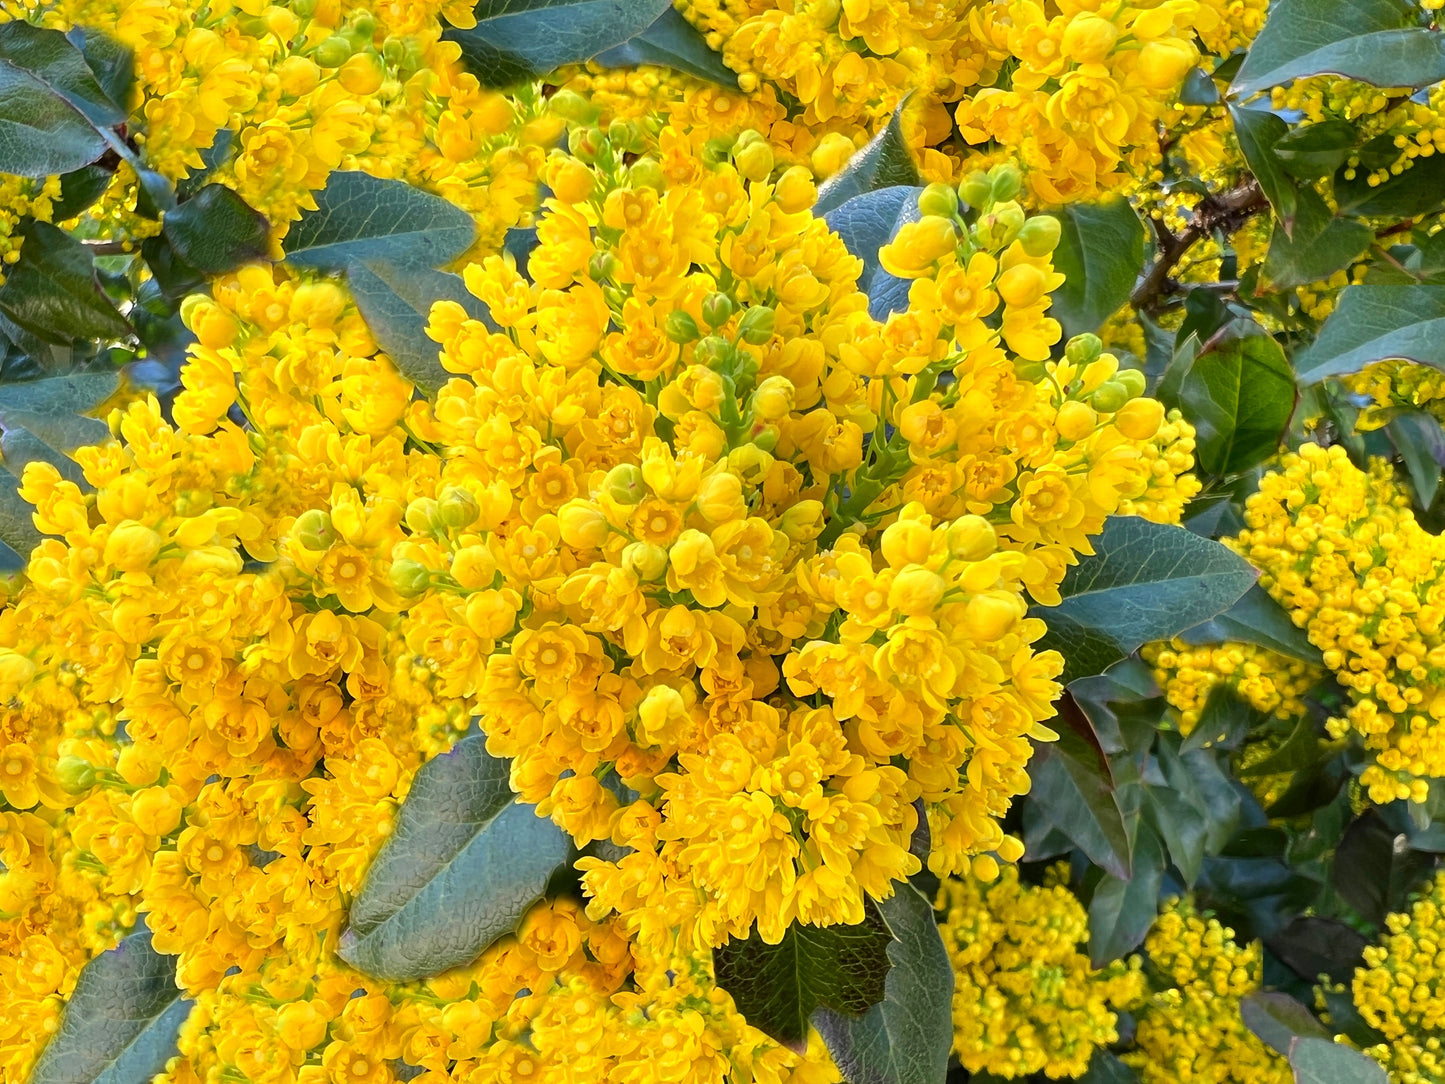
[
  {"x": 985, "y": 868},
  {"x": 131, "y": 547},
  {"x": 831, "y": 154},
  {"x": 720, "y": 498},
  {"x": 1140, "y": 419},
  {"x": 624, "y": 484},
  {"x": 916, "y": 592},
  {"x": 457, "y": 507},
  {"x": 362, "y": 74},
  {"x": 971, "y": 538},
  {"x": 918, "y": 246},
  {"x": 803, "y": 522},
  {"x": 155, "y": 811},
  {"x": 773, "y": 398},
  {"x": 1076, "y": 420},
  {"x": 300, "y": 1026},
  {"x": 646, "y": 561},
  {"x": 1164, "y": 64},
  {"x": 299, "y": 76},
  {"x": 1088, "y": 38},
  {"x": 988, "y": 617},
  {"x": 139, "y": 765},
  {"x": 582, "y": 524},
  {"x": 906, "y": 542},
  {"x": 755, "y": 161},
  {"x": 570, "y": 179},
  {"x": 1022, "y": 285},
  {"x": 795, "y": 190},
  {"x": 313, "y": 530}
]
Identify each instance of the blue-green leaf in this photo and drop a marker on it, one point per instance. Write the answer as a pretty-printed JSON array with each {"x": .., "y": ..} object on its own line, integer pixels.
[
  {"x": 1377, "y": 323},
  {"x": 1257, "y": 619},
  {"x": 1324, "y": 1061},
  {"x": 1144, "y": 582},
  {"x": 464, "y": 864},
  {"x": 883, "y": 162},
  {"x": 361, "y": 217},
  {"x": 121, "y": 1023},
  {"x": 215, "y": 231},
  {"x": 866, "y": 223},
  {"x": 1100, "y": 253},
  {"x": 905, "y": 1038},
  {"x": 671, "y": 42}
]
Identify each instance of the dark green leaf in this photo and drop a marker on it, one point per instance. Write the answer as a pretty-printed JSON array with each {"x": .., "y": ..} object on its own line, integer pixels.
[
  {"x": 671, "y": 42},
  {"x": 215, "y": 231},
  {"x": 1259, "y": 132},
  {"x": 1071, "y": 789},
  {"x": 1416, "y": 192},
  {"x": 460, "y": 870},
  {"x": 78, "y": 190},
  {"x": 1239, "y": 395},
  {"x": 778, "y": 987},
  {"x": 1101, "y": 251},
  {"x": 884, "y": 162},
  {"x": 1375, "y": 868},
  {"x": 112, "y": 63},
  {"x": 1182, "y": 828},
  {"x": 866, "y": 223},
  {"x": 1144, "y": 582},
  {"x": 1197, "y": 776},
  {"x": 1300, "y": 750},
  {"x": 905, "y": 1038},
  {"x": 1198, "y": 88},
  {"x": 1312, "y": 946},
  {"x": 395, "y": 301},
  {"x": 1373, "y": 41},
  {"x": 519, "y": 39},
  {"x": 52, "y": 291},
  {"x": 1324, "y": 1061},
  {"x": 359, "y": 217},
  {"x": 1279, "y": 1019},
  {"x": 173, "y": 277},
  {"x": 1376, "y": 323},
  {"x": 1420, "y": 440},
  {"x": 121, "y": 1022},
  {"x": 1257, "y": 619},
  {"x": 1106, "y": 1068},
  {"x": 1122, "y": 911},
  {"x": 1319, "y": 244},
  {"x": 1314, "y": 151},
  {"x": 51, "y": 105},
  {"x": 1224, "y": 722}
]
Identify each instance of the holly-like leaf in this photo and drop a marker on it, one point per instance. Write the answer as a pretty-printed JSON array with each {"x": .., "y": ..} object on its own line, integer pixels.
[
  {"x": 1239, "y": 394},
  {"x": 1106, "y": 1068},
  {"x": 1181, "y": 827},
  {"x": 1324, "y": 1061},
  {"x": 906, "y": 1037},
  {"x": 462, "y": 867},
  {"x": 1256, "y": 619},
  {"x": 1377, "y": 323},
  {"x": 866, "y": 223},
  {"x": 1314, "y": 151},
  {"x": 516, "y": 40},
  {"x": 884, "y": 162},
  {"x": 1420, "y": 440},
  {"x": 1319, "y": 244},
  {"x": 671, "y": 42},
  {"x": 1279, "y": 1019},
  {"x": 53, "y": 110},
  {"x": 1122, "y": 911},
  {"x": 1144, "y": 582},
  {"x": 53, "y": 293},
  {"x": 1259, "y": 133},
  {"x": 1417, "y": 191},
  {"x": 395, "y": 301},
  {"x": 215, "y": 231},
  {"x": 359, "y": 217},
  {"x": 1375, "y": 41},
  {"x": 1070, "y": 789},
  {"x": 121, "y": 1022},
  {"x": 1375, "y": 869},
  {"x": 779, "y": 987},
  {"x": 1101, "y": 252},
  {"x": 1312, "y": 946}
]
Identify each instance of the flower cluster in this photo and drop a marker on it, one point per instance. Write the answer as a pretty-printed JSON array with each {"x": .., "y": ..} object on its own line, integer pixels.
[
  {"x": 1025, "y": 999},
  {"x": 1267, "y": 681},
  {"x": 1340, "y": 549},
  {"x": 1189, "y": 1029},
  {"x": 1401, "y": 990}
]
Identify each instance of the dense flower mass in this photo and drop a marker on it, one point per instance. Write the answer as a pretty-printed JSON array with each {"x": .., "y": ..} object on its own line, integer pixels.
[
  {"x": 1190, "y": 1029},
  {"x": 1271, "y": 683},
  {"x": 1342, "y": 552},
  {"x": 1025, "y": 999}
]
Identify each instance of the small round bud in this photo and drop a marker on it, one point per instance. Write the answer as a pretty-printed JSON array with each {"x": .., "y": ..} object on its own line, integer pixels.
[
  {"x": 976, "y": 190},
  {"x": 624, "y": 135},
  {"x": 755, "y": 161},
  {"x": 680, "y": 327},
  {"x": 998, "y": 228},
  {"x": 795, "y": 190},
  {"x": 757, "y": 324},
  {"x": 1006, "y": 181},
  {"x": 646, "y": 173},
  {"x": 1030, "y": 372},
  {"x": 938, "y": 199},
  {"x": 804, "y": 521},
  {"x": 582, "y": 524},
  {"x": 572, "y": 106},
  {"x": 1140, "y": 419},
  {"x": 646, "y": 561},
  {"x": 584, "y": 143},
  {"x": 1021, "y": 285},
  {"x": 1082, "y": 349},
  {"x": 332, "y": 53},
  {"x": 457, "y": 507},
  {"x": 156, "y": 811},
  {"x": 131, "y": 547},
  {"x": 717, "y": 308},
  {"x": 713, "y": 352},
  {"x": 971, "y": 538},
  {"x": 422, "y": 515},
  {"x": 773, "y": 398},
  {"x": 1040, "y": 235},
  {"x": 603, "y": 267},
  {"x": 75, "y": 774},
  {"x": 624, "y": 484},
  {"x": 1109, "y": 397},
  {"x": 1134, "y": 380},
  {"x": 410, "y": 577},
  {"x": 1076, "y": 420}
]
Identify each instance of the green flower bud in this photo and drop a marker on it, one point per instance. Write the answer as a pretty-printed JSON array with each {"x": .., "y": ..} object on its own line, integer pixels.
[
  {"x": 976, "y": 190},
  {"x": 756, "y": 327},
  {"x": 1006, "y": 180},
  {"x": 716, "y": 309},
  {"x": 75, "y": 774},
  {"x": 570, "y": 105},
  {"x": 1040, "y": 235},
  {"x": 624, "y": 484},
  {"x": 755, "y": 161},
  {"x": 393, "y": 51},
  {"x": 456, "y": 507},
  {"x": 646, "y": 173},
  {"x": 332, "y": 53},
  {"x": 422, "y": 515},
  {"x": 313, "y": 530},
  {"x": 997, "y": 229},
  {"x": 584, "y": 143},
  {"x": 1134, "y": 381},
  {"x": 410, "y": 577},
  {"x": 1030, "y": 372},
  {"x": 746, "y": 138},
  {"x": 1109, "y": 397},
  {"x": 603, "y": 267},
  {"x": 624, "y": 135},
  {"x": 766, "y": 437},
  {"x": 1082, "y": 349},
  {"x": 680, "y": 327},
  {"x": 938, "y": 199},
  {"x": 715, "y": 352}
]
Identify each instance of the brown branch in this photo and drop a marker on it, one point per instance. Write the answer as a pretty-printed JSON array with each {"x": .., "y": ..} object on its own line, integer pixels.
[{"x": 1224, "y": 210}]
